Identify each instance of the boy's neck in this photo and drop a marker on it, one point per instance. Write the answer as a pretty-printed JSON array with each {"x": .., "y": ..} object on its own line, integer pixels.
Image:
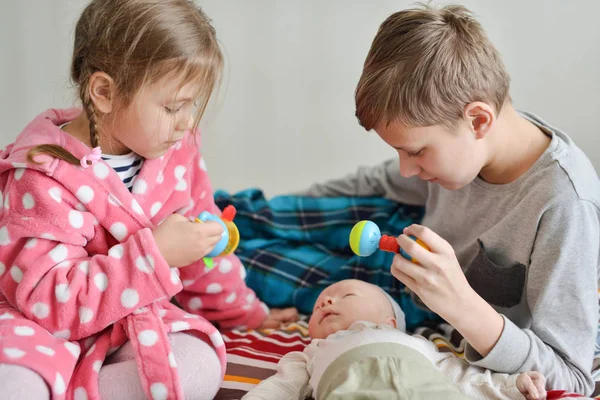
[{"x": 515, "y": 144}]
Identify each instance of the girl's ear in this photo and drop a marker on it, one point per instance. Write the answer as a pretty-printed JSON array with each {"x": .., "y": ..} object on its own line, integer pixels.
[{"x": 101, "y": 90}]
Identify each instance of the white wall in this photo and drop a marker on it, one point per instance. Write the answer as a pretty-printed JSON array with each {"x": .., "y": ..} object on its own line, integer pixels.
[{"x": 286, "y": 114}]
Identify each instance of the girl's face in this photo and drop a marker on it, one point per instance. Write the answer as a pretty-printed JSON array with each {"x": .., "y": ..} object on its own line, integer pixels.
[{"x": 156, "y": 119}]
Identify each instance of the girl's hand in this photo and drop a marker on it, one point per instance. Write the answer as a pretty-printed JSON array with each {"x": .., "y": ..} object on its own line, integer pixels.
[
  {"x": 279, "y": 317},
  {"x": 182, "y": 242},
  {"x": 438, "y": 279}
]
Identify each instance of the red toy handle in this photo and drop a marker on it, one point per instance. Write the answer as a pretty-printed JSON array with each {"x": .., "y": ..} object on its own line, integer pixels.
[
  {"x": 389, "y": 243},
  {"x": 228, "y": 213}
]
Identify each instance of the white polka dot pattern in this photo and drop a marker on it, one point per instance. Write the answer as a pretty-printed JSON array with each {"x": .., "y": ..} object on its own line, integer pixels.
[{"x": 83, "y": 217}]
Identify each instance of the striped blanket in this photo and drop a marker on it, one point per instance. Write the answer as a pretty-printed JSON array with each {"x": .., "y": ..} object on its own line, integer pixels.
[
  {"x": 293, "y": 247},
  {"x": 253, "y": 355}
]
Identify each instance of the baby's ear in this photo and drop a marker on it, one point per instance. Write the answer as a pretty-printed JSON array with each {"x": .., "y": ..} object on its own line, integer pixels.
[{"x": 392, "y": 322}]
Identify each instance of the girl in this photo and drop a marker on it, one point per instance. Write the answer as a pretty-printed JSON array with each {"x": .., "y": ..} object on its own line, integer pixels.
[{"x": 95, "y": 231}]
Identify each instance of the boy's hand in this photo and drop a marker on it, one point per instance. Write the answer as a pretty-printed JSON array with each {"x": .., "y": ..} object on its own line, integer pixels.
[
  {"x": 279, "y": 317},
  {"x": 440, "y": 283},
  {"x": 438, "y": 279},
  {"x": 532, "y": 385}
]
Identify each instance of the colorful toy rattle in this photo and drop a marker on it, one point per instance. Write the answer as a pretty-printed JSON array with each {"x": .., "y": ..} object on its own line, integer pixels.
[
  {"x": 231, "y": 235},
  {"x": 366, "y": 238}
]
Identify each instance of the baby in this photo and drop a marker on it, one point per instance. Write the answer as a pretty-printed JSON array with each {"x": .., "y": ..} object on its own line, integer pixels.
[{"x": 360, "y": 350}]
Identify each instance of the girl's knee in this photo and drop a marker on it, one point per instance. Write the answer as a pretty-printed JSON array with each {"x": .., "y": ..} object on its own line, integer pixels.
[
  {"x": 19, "y": 383},
  {"x": 198, "y": 365}
]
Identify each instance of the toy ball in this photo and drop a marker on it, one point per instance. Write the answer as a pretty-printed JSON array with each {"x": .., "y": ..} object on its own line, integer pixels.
[
  {"x": 231, "y": 235},
  {"x": 366, "y": 238}
]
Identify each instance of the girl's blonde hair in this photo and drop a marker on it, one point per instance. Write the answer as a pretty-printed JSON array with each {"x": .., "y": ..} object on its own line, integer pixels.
[
  {"x": 425, "y": 65},
  {"x": 139, "y": 42}
]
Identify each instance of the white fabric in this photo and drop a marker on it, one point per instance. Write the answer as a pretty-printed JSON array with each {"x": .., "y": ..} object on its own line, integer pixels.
[
  {"x": 398, "y": 313},
  {"x": 298, "y": 373}
]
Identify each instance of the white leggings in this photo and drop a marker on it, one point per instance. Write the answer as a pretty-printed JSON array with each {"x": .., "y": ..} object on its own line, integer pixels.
[{"x": 197, "y": 363}]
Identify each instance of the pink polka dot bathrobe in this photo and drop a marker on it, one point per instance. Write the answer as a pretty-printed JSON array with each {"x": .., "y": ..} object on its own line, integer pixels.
[{"x": 80, "y": 272}]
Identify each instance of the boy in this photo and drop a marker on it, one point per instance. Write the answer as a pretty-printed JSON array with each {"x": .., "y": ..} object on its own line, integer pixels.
[
  {"x": 512, "y": 204},
  {"x": 358, "y": 353}
]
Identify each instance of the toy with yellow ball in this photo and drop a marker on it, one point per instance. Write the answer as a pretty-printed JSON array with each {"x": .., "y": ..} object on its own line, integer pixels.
[{"x": 366, "y": 238}]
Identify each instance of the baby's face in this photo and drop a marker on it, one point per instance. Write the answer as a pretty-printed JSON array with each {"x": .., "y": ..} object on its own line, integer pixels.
[{"x": 345, "y": 302}]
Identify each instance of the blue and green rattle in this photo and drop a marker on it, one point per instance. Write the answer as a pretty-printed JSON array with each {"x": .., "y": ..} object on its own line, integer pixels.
[
  {"x": 230, "y": 238},
  {"x": 366, "y": 238}
]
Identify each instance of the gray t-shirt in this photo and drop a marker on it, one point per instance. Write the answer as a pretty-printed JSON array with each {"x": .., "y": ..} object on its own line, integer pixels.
[{"x": 530, "y": 248}]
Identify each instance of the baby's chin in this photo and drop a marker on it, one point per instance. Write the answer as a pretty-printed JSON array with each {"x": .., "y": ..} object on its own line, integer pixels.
[{"x": 325, "y": 329}]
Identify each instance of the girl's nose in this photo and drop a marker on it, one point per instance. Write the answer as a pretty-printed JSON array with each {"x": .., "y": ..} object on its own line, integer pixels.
[{"x": 185, "y": 124}]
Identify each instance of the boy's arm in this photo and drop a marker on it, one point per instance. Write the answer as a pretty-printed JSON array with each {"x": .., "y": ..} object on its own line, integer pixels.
[
  {"x": 477, "y": 382},
  {"x": 562, "y": 296},
  {"x": 290, "y": 381},
  {"x": 382, "y": 180}
]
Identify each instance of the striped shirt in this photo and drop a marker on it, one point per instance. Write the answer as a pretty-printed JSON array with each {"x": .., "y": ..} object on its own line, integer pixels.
[{"x": 127, "y": 166}]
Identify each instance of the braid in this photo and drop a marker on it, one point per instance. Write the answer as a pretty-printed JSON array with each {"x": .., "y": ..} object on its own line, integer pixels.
[
  {"x": 90, "y": 112},
  {"x": 58, "y": 151}
]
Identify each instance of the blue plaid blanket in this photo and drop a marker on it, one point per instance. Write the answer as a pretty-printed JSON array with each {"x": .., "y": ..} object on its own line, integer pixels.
[{"x": 293, "y": 246}]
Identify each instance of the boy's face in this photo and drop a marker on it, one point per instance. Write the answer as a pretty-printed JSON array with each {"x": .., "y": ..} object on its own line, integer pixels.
[
  {"x": 348, "y": 301},
  {"x": 436, "y": 154}
]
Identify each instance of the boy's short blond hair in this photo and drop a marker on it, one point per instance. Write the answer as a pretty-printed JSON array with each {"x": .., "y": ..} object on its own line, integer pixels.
[{"x": 425, "y": 65}]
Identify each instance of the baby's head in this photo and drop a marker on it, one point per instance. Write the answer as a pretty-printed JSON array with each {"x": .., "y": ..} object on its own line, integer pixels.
[{"x": 351, "y": 300}]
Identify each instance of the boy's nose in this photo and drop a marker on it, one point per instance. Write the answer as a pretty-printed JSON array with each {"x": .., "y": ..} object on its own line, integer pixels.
[{"x": 408, "y": 168}]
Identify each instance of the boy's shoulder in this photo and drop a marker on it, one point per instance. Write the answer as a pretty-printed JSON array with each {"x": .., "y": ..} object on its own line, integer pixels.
[{"x": 564, "y": 174}]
